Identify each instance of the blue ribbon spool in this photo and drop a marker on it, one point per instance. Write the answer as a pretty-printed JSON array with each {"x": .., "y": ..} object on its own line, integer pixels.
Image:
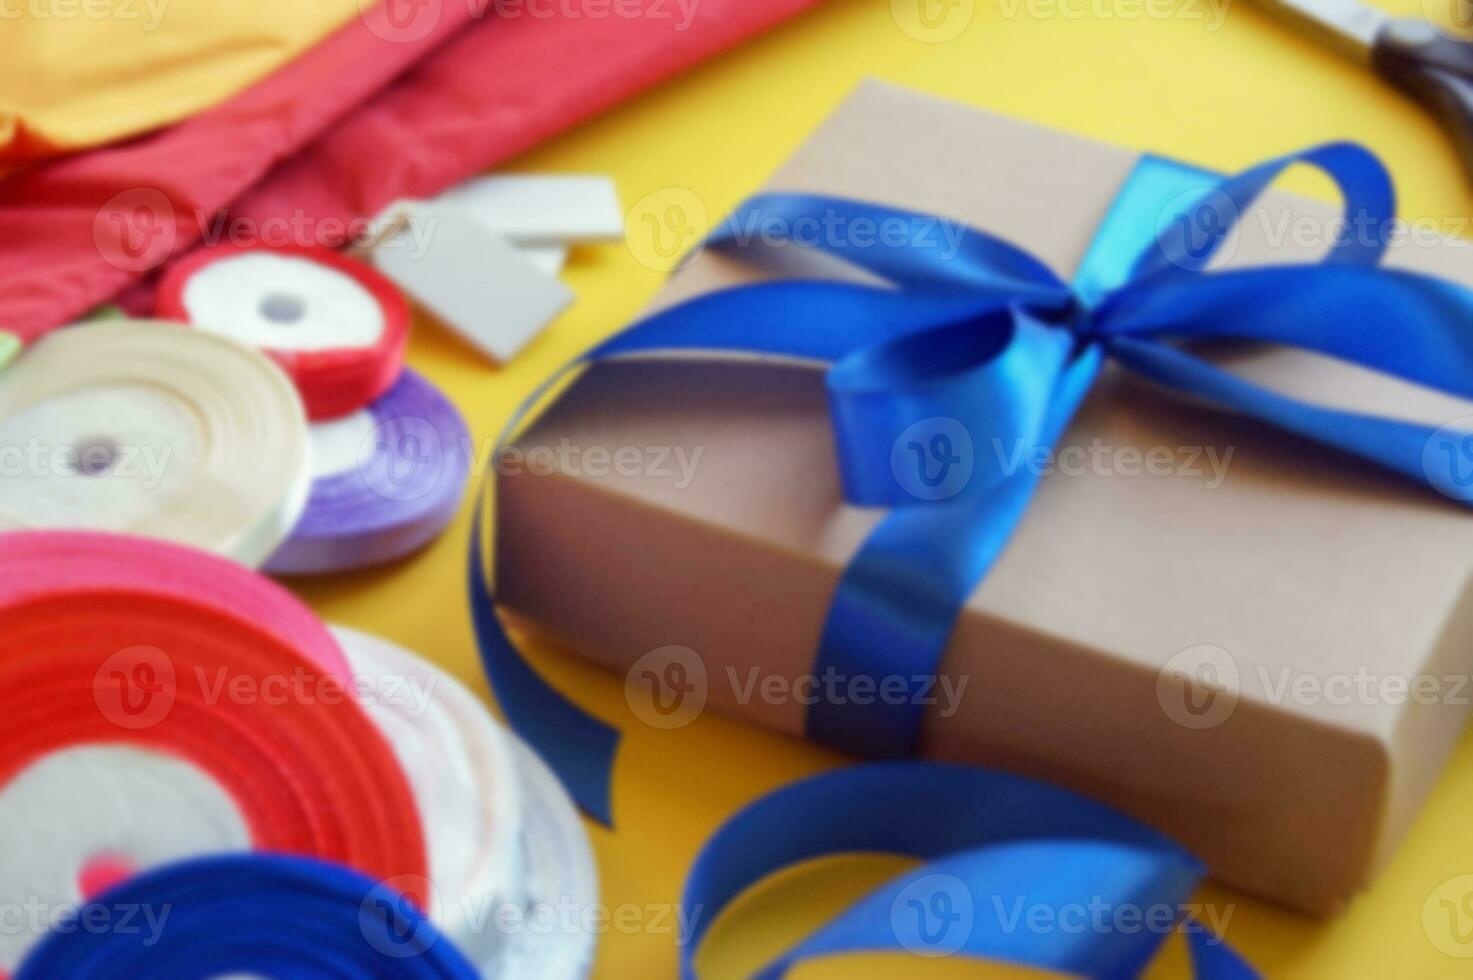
[
  {"x": 283, "y": 917},
  {"x": 989, "y": 338}
]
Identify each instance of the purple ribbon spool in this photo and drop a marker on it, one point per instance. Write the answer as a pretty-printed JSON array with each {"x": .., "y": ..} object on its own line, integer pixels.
[{"x": 394, "y": 495}]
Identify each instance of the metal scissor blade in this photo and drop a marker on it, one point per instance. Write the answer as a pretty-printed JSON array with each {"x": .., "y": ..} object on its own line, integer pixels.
[{"x": 1347, "y": 25}]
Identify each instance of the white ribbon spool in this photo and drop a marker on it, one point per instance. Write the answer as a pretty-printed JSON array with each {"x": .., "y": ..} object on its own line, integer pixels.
[
  {"x": 512, "y": 874},
  {"x": 283, "y": 302},
  {"x": 74, "y": 808},
  {"x": 561, "y": 880},
  {"x": 150, "y": 428}
]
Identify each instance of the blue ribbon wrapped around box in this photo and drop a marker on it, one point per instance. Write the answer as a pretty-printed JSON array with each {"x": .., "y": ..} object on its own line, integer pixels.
[{"x": 1090, "y": 466}]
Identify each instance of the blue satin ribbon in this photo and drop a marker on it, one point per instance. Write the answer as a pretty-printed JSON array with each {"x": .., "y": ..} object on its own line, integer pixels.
[
  {"x": 996, "y": 848},
  {"x": 267, "y": 915},
  {"x": 988, "y": 338}
]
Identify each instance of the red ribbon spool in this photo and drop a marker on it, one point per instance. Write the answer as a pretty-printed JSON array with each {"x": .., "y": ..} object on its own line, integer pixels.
[
  {"x": 123, "y": 641},
  {"x": 333, "y": 381}
]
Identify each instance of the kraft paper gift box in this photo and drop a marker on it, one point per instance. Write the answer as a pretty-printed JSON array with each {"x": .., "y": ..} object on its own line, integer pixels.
[{"x": 1171, "y": 547}]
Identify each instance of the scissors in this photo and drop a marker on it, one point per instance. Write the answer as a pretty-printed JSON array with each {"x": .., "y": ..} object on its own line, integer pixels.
[{"x": 1431, "y": 66}]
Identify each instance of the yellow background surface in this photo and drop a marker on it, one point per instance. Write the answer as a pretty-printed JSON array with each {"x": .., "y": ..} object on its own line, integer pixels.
[{"x": 1225, "y": 97}]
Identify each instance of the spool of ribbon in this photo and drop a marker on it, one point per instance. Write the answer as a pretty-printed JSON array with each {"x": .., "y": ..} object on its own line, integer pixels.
[
  {"x": 336, "y": 326},
  {"x": 389, "y": 478},
  {"x": 38, "y": 564},
  {"x": 157, "y": 703},
  {"x": 506, "y": 848},
  {"x": 287, "y": 918},
  {"x": 142, "y": 427},
  {"x": 560, "y": 879}
]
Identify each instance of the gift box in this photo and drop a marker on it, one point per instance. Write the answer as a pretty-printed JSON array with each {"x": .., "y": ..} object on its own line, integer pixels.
[{"x": 1253, "y": 643}]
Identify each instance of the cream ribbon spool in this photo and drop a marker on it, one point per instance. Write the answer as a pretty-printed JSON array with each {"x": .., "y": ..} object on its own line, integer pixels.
[
  {"x": 513, "y": 881},
  {"x": 151, "y": 428}
]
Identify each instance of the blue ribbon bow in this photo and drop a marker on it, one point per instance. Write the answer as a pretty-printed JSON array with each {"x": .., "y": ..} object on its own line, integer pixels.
[{"x": 981, "y": 342}]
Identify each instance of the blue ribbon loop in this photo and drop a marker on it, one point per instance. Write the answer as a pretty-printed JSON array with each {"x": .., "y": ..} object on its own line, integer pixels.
[
  {"x": 971, "y": 345},
  {"x": 996, "y": 848}
]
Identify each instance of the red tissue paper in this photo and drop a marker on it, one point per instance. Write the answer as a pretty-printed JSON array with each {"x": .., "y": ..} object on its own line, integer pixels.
[{"x": 409, "y": 99}]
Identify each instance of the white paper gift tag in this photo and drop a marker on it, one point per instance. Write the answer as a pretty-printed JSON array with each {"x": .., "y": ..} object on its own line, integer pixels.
[
  {"x": 471, "y": 278},
  {"x": 549, "y": 258},
  {"x": 531, "y": 209}
]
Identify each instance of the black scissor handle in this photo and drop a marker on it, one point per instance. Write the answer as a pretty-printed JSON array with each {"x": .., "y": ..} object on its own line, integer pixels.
[{"x": 1435, "y": 69}]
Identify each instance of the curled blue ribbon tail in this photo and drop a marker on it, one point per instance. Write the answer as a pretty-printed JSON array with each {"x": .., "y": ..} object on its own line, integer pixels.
[
  {"x": 996, "y": 851},
  {"x": 578, "y": 747}
]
